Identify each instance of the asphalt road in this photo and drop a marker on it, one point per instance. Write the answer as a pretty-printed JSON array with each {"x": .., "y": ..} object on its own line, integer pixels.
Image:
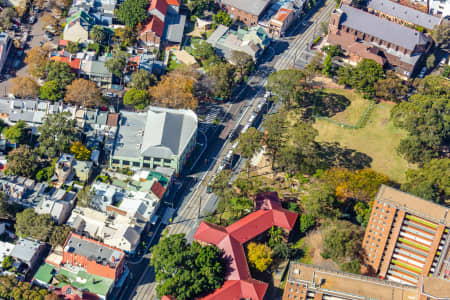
[{"x": 193, "y": 202}]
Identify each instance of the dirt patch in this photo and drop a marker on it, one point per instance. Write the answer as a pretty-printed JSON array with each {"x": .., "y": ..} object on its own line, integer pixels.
[{"x": 314, "y": 243}]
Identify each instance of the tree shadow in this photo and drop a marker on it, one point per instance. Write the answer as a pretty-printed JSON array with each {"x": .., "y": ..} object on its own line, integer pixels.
[
  {"x": 324, "y": 104},
  {"x": 336, "y": 156}
]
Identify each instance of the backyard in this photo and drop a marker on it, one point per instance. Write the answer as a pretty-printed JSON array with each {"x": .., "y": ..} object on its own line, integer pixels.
[{"x": 378, "y": 138}]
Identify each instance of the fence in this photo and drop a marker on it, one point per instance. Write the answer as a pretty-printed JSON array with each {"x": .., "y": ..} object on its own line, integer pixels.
[{"x": 361, "y": 123}]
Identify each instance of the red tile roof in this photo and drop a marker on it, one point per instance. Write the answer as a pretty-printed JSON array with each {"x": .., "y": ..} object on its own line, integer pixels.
[
  {"x": 168, "y": 298},
  {"x": 63, "y": 43},
  {"x": 230, "y": 240},
  {"x": 74, "y": 63},
  {"x": 113, "y": 119},
  {"x": 282, "y": 14},
  {"x": 160, "y": 5},
  {"x": 158, "y": 189},
  {"x": 173, "y": 2},
  {"x": 155, "y": 25}
]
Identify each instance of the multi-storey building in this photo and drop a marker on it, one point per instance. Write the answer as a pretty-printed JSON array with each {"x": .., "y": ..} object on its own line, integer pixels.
[
  {"x": 364, "y": 35},
  {"x": 314, "y": 282},
  {"x": 407, "y": 238},
  {"x": 246, "y": 11}
]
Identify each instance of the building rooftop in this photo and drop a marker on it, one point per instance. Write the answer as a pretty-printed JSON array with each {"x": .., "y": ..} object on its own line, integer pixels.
[
  {"x": 414, "y": 205},
  {"x": 404, "y": 13},
  {"x": 5, "y": 249},
  {"x": 159, "y": 132},
  {"x": 350, "y": 286},
  {"x": 93, "y": 250},
  {"x": 436, "y": 287},
  {"x": 254, "y": 7},
  {"x": 25, "y": 249},
  {"x": 381, "y": 28}
]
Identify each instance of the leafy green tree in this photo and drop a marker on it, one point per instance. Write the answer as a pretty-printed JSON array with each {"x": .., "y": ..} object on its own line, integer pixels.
[
  {"x": 431, "y": 60},
  {"x": 138, "y": 98},
  {"x": 241, "y": 205},
  {"x": 332, "y": 50},
  {"x": 6, "y": 17},
  {"x": 7, "y": 262},
  {"x": 59, "y": 235},
  {"x": 306, "y": 223},
  {"x": 16, "y": 133},
  {"x": 30, "y": 224},
  {"x": 117, "y": 64},
  {"x": 22, "y": 161},
  {"x": 98, "y": 34},
  {"x": 73, "y": 47},
  {"x": 431, "y": 181},
  {"x": 50, "y": 91},
  {"x": 327, "y": 66},
  {"x": 425, "y": 117},
  {"x": 342, "y": 242},
  {"x": 243, "y": 62},
  {"x": 223, "y": 75},
  {"x": 362, "y": 210},
  {"x": 222, "y": 18},
  {"x": 289, "y": 86},
  {"x": 59, "y": 72},
  {"x": 203, "y": 50},
  {"x": 321, "y": 202},
  {"x": 259, "y": 256},
  {"x": 12, "y": 288},
  {"x": 220, "y": 184},
  {"x": 249, "y": 142},
  {"x": 132, "y": 12},
  {"x": 441, "y": 33},
  {"x": 275, "y": 127},
  {"x": 362, "y": 77},
  {"x": 434, "y": 85},
  {"x": 142, "y": 79},
  {"x": 186, "y": 271},
  {"x": 391, "y": 88},
  {"x": 57, "y": 134},
  {"x": 197, "y": 7},
  {"x": 353, "y": 266}
]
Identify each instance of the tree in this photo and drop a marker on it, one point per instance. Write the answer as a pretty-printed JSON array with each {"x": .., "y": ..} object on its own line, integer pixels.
[
  {"x": 142, "y": 79},
  {"x": 73, "y": 47},
  {"x": 332, "y": 50},
  {"x": 306, "y": 223},
  {"x": 37, "y": 59},
  {"x": 132, "y": 12},
  {"x": 259, "y": 256},
  {"x": 362, "y": 210},
  {"x": 174, "y": 91},
  {"x": 223, "y": 76},
  {"x": 430, "y": 61},
  {"x": 57, "y": 134},
  {"x": 240, "y": 205},
  {"x": 80, "y": 151},
  {"x": 431, "y": 181},
  {"x": 426, "y": 120},
  {"x": 184, "y": 270},
  {"x": 197, "y": 7},
  {"x": 117, "y": 64},
  {"x": 51, "y": 91},
  {"x": 59, "y": 235},
  {"x": 6, "y": 17},
  {"x": 24, "y": 87},
  {"x": 98, "y": 34},
  {"x": 275, "y": 128},
  {"x": 243, "y": 62},
  {"x": 8, "y": 210},
  {"x": 49, "y": 21},
  {"x": 83, "y": 92},
  {"x": 434, "y": 85},
  {"x": 249, "y": 142},
  {"x": 441, "y": 33},
  {"x": 362, "y": 77},
  {"x": 288, "y": 86},
  {"x": 15, "y": 134},
  {"x": 124, "y": 36},
  {"x": 22, "y": 161},
  {"x": 12, "y": 288},
  {"x": 30, "y": 224},
  {"x": 222, "y": 18},
  {"x": 7, "y": 262},
  {"x": 203, "y": 50},
  {"x": 342, "y": 242},
  {"x": 321, "y": 202},
  {"x": 59, "y": 72},
  {"x": 391, "y": 88},
  {"x": 138, "y": 98}
]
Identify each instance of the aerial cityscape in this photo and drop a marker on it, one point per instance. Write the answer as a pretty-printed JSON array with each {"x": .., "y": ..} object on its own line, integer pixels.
[{"x": 224, "y": 149}]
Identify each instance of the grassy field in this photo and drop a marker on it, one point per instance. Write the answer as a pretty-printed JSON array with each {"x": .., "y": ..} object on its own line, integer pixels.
[
  {"x": 378, "y": 139},
  {"x": 352, "y": 114}
]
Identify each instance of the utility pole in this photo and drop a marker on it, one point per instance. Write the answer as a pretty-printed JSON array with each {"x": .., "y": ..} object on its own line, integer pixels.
[{"x": 199, "y": 206}]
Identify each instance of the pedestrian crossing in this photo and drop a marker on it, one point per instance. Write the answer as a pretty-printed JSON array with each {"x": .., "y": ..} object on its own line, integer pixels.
[{"x": 208, "y": 121}]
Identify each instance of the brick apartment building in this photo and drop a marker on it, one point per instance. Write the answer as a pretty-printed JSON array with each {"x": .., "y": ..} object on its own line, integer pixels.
[
  {"x": 247, "y": 11},
  {"x": 95, "y": 257},
  {"x": 407, "y": 238},
  {"x": 314, "y": 282},
  {"x": 364, "y": 35}
]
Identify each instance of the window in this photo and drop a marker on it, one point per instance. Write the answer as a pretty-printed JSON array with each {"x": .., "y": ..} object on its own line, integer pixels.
[
  {"x": 126, "y": 163},
  {"x": 147, "y": 157},
  {"x": 146, "y": 165},
  {"x": 136, "y": 164},
  {"x": 116, "y": 161},
  {"x": 167, "y": 161},
  {"x": 156, "y": 159}
]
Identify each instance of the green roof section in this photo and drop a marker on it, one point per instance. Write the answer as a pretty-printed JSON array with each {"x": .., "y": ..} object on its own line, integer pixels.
[
  {"x": 83, "y": 280},
  {"x": 161, "y": 178},
  {"x": 45, "y": 273},
  {"x": 83, "y": 15}
]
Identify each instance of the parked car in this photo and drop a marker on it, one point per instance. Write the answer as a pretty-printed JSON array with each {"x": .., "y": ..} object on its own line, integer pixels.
[
  {"x": 48, "y": 35},
  {"x": 422, "y": 72},
  {"x": 32, "y": 20},
  {"x": 443, "y": 60}
]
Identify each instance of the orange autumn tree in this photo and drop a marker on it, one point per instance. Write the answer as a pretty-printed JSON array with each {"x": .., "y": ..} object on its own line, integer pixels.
[{"x": 175, "y": 91}]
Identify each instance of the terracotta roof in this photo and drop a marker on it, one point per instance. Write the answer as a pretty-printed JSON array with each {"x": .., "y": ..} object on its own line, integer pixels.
[
  {"x": 230, "y": 240},
  {"x": 155, "y": 25},
  {"x": 158, "y": 189},
  {"x": 168, "y": 298},
  {"x": 282, "y": 14},
  {"x": 112, "y": 120},
  {"x": 160, "y": 5},
  {"x": 173, "y": 2},
  {"x": 74, "y": 63},
  {"x": 63, "y": 43}
]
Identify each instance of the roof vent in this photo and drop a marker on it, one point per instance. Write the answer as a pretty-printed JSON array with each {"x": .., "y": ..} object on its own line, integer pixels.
[{"x": 296, "y": 271}]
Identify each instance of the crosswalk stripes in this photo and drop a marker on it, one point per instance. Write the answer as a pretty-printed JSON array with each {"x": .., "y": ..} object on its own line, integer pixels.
[{"x": 209, "y": 119}]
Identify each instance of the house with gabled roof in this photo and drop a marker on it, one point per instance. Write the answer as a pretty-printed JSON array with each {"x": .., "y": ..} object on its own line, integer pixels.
[{"x": 78, "y": 26}]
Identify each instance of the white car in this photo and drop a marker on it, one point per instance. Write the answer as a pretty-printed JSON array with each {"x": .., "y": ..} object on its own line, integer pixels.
[
  {"x": 443, "y": 60},
  {"x": 422, "y": 72}
]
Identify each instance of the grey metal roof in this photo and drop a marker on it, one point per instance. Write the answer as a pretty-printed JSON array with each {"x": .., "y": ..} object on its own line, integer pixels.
[
  {"x": 92, "y": 251},
  {"x": 254, "y": 7},
  {"x": 381, "y": 28},
  {"x": 217, "y": 34},
  {"x": 174, "y": 28},
  {"x": 25, "y": 249},
  {"x": 405, "y": 13},
  {"x": 160, "y": 132}
]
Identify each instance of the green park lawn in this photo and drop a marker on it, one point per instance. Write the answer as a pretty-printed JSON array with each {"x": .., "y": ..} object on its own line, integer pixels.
[{"x": 378, "y": 139}]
